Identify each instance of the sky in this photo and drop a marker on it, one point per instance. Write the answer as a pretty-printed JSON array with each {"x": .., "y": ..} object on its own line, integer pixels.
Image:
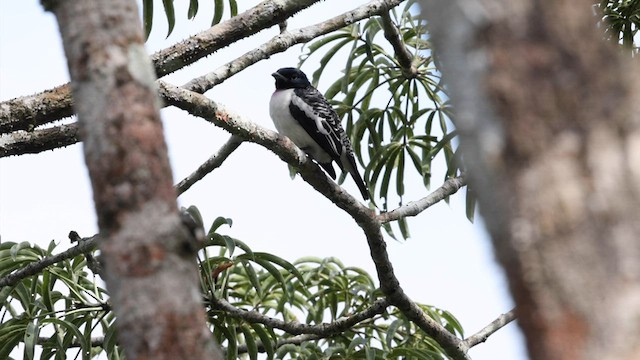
[{"x": 448, "y": 262}]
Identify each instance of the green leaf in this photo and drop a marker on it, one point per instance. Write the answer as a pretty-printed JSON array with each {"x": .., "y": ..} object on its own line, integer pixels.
[
  {"x": 252, "y": 347},
  {"x": 455, "y": 324},
  {"x": 280, "y": 261},
  {"x": 219, "y": 221},
  {"x": 218, "y": 11},
  {"x": 232, "y": 344},
  {"x": 11, "y": 336},
  {"x": 267, "y": 266},
  {"x": 195, "y": 214},
  {"x": 71, "y": 330},
  {"x": 147, "y": 17},
  {"x": 404, "y": 228},
  {"x": 230, "y": 244},
  {"x": 400, "y": 175},
  {"x": 266, "y": 339},
  {"x": 30, "y": 339},
  {"x": 233, "y": 7},
  {"x": 47, "y": 285},
  {"x": 326, "y": 58},
  {"x": 391, "y": 333},
  {"x": 253, "y": 277},
  {"x": 470, "y": 204},
  {"x": 170, "y": 13},
  {"x": 193, "y": 9}
]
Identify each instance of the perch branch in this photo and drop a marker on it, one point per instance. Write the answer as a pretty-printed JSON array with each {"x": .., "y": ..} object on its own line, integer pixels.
[
  {"x": 450, "y": 187},
  {"x": 497, "y": 324},
  {"x": 295, "y": 328},
  {"x": 84, "y": 246},
  {"x": 22, "y": 142},
  {"x": 211, "y": 164}
]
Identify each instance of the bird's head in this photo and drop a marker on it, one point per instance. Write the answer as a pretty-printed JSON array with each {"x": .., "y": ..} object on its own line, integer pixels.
[{"x": 290, "y": 78}]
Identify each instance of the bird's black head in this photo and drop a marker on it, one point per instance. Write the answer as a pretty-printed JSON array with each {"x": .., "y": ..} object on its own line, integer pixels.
[{"x": 290, "y": 78}]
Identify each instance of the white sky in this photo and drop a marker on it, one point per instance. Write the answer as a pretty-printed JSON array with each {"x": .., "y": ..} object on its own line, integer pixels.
[{"x": 448, "y": 262}]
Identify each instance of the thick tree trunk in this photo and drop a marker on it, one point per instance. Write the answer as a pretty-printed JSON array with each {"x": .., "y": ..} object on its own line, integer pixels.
[
  {"x": 150, "y": 263},
  {"x": 549, "y": 115}
]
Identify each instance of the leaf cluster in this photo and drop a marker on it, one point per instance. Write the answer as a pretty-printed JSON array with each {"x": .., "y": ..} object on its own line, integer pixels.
[
  {"x": 622, "y": 22},
  {"x": 167, "y": 5},
  {"x": 413, "y": 126},
  {"x": 64, "y": 310}
]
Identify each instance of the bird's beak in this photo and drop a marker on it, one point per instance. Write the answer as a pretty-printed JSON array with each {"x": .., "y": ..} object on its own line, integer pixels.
[{"x": 278, "y": 76}]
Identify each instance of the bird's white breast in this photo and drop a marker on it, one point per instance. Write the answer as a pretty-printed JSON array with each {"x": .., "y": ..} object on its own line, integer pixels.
[{"x": 291, "y": 128}]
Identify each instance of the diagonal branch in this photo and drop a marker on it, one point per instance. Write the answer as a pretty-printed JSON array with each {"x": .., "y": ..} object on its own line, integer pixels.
[
  {"x": 22, "y": 142},
  {"x": 201, "y": 106},
  {"x": 29, "y": 111},
  {"x": 84, "y": 246},
  {"x": 211, "y": 164},
  {"x": 25, "y": 112},
  {"x": 497, "y": 324},
  {"x": 450, "y": 187},
  {"x": 404, "y": 57},
  {"x": 325, "y": 329}
]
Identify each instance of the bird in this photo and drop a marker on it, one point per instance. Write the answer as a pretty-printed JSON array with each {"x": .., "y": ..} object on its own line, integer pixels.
[{"x": 300, "y": 112}]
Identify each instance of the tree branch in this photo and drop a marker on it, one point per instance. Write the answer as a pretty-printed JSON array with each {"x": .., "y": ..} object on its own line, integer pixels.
[
  {"x": 287, "y": 39},
  {"x": 84, "y": 246},
  {"x": 404, "y": 57},
  {"x": 199, "y": 105},
  {"x": 295, "y": 328},
  {"x": 497, "y": 324},
  {"x": 211, "y": 164},
  {"x": 41, "y": 114},
  {"x": 450, "y": 187},
  {"x": 22, "y": 142},
  {"x": 95, "y": 342},
  {"x": 26, "y": 112},
  {"x": 294, "y": 340}
]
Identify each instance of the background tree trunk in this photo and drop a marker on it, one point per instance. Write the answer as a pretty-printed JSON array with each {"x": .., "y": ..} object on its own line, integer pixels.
[
  {"x": 549, "y": 115},
  {"x": 149, "y": 256}
]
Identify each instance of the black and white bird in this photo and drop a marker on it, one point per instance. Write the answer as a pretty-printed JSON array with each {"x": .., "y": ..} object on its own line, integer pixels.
[{"x": 300, "y": 112}]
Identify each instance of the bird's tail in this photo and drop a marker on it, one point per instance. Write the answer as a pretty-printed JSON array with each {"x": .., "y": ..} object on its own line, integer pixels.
[{"x": 352, "y": 169}]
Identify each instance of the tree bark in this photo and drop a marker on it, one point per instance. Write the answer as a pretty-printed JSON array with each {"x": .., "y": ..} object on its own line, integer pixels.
[
  {"x": 150, "y": 267},
  {"x": 549, "y": 117}
]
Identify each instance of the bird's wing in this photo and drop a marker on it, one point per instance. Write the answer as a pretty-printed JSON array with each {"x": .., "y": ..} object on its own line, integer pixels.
[{"x": 314, "y": 113}]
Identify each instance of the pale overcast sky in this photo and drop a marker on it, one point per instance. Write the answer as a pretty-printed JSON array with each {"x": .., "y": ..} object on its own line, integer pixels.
[{"x": 447, "y": 263}]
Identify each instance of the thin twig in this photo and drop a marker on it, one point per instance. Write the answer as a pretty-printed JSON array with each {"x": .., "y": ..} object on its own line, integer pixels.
[
  {"x": 295, "y": 328},
  {"x": 84, "y": 246},
  {"x": 211, "y": 164},
  {"x": 23, "y": 142},
  {"x": 482, "y": 335},
  {"x": 404, "y": 57},
  {"x": 95, "y": 341},
  {"x": 449, "y": 187}
]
